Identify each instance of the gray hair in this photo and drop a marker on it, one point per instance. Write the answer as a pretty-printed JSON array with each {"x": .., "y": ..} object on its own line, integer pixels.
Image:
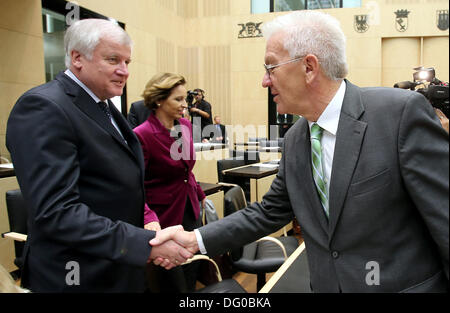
[
  {"x": 84, "y": 35},
  {"x": 313, "y": 32}
]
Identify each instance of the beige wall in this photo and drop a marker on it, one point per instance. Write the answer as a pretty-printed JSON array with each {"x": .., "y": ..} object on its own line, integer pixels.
[
  {"x": 198, "y": 38},
  {"x": 21, "y": 55}
]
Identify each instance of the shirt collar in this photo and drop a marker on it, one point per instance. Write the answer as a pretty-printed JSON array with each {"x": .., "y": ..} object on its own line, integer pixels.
[
  {"x": 329, "y": 119},
  {"x": 72, "y": 75}
]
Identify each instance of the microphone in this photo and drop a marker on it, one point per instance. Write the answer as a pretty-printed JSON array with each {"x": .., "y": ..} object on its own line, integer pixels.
[{"x": 405, "y": 85}]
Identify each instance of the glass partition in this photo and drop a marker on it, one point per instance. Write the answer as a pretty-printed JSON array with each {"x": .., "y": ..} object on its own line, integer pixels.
[
  {"x": 266, "y": 6},
  {"x": 54, "y": 25}
]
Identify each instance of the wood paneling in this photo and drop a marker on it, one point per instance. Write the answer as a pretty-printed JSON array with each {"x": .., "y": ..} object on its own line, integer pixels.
[
  {"x": 187, "y": 8},
  {"x": 217, "y": 82},
  {"x": 216, "y": 8}
]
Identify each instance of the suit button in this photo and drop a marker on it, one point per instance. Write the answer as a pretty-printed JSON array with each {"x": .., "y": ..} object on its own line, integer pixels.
[{"x": 335, "y": 254}]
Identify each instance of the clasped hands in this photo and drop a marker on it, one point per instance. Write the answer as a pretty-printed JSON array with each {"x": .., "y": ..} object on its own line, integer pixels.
[{"x": 172, "y": 246}]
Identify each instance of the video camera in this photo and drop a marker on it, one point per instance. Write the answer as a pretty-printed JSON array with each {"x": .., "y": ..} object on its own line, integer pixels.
[
  {"x": 435, "y": 91},
  {"x": 190, "y": 98}
]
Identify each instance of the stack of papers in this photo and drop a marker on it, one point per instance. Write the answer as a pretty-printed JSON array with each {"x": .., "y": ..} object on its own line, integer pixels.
[{"x": 6, "y": 165}]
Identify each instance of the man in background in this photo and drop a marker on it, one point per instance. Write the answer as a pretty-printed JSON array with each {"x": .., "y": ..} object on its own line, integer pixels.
[
  {"x": 201, "y": 114},
  {"x": 138, "y": 113},
  {"x": 219, "y": 135}
]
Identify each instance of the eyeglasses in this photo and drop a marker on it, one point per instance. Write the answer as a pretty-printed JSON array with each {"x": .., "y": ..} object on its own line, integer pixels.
[{"x": 271, "y": 67}]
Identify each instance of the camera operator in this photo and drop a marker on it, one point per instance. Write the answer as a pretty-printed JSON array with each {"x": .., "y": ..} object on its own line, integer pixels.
[
  {"x": 433, "y": 89},
  {"x": 200, "y": 112}
]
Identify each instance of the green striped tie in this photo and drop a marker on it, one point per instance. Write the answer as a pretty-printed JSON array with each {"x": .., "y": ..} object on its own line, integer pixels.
[{"x": 317, "y": 166}]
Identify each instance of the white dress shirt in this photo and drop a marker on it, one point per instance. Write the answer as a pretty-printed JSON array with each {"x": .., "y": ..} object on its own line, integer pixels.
[{"x": 329, "y": 121}]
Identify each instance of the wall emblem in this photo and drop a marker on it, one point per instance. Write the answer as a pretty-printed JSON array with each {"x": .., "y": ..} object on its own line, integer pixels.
[
  {"x": 401, "y": 20},
  {"x": 360, "y": 23},
  {"x": 250, "y": 30},
  {"x": 442, "y": 19}
]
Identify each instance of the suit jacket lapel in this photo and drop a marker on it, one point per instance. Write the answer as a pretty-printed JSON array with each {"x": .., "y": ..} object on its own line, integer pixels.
[
  {"x": 302, "y": 164},
  {"x": 349, "y": 139},
  {"x": 132, "y": 143},
  {"x": 85, "y": 102}
]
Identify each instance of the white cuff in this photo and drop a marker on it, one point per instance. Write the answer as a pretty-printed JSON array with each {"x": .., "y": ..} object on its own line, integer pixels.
[{"x": 201, "y": 246}]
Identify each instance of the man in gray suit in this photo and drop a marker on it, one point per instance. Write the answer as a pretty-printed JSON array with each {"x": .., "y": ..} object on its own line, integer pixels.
[{"x": 369, "y": 187}]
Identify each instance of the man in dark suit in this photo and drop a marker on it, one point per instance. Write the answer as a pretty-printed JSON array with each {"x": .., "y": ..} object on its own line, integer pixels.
[
  {"x": 219, "y": 135},
  {"x": 364, "y": 171},
  {"x": 138, "y": 114},
  {"x": 80, "y": 168}
]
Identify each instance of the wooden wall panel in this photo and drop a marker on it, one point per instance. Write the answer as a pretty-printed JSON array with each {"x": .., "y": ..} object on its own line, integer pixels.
[
  {"x": 187, "y": 8},
  {"x": 165, "y": 56},
  {"x": 168, "y": 4},
  {"x": 399, "y": 57},
  {"x": 188, "y": 65},
  {"x": 216, "y": 8},
  {"x": 217, "y": 83},
  {"x": 436, "y": 54}
]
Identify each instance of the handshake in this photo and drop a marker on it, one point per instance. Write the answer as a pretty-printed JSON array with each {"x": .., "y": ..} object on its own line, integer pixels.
[{"x": 172, "y": 246}]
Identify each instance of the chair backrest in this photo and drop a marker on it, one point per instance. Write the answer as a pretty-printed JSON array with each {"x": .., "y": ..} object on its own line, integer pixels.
[
  {"x": 234, "y": 200},
  {"x": 250, "y": 156},
  {"x": 17, "y": 216},
  {"x": 226, "y": 164}
]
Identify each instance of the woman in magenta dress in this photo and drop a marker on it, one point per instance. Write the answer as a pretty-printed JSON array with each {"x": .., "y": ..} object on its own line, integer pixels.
[{"x": 172, "y": 191}]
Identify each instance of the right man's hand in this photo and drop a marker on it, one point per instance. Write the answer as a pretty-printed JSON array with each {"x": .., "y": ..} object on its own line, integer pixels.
[{"x": 169, "y": 236}]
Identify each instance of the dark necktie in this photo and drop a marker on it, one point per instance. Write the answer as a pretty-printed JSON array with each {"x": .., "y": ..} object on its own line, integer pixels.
[{"x": 105, "y": 108}]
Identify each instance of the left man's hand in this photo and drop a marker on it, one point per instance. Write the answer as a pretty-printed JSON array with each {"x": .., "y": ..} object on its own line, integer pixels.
[
  {"x": 174, "y": 234},
  {"x": 169, "y": 253},
  {"x": 153, "y": 226}
]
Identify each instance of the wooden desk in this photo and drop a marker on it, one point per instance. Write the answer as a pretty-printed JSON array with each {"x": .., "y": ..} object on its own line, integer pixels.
[
  {"x": 6, "y": 172},
  {"x": 210, "y": 189},
  {"x": 205, "y": 169},
  {"x": 270, "y": 149},
  {"x": 7, "y": 253},
  {"x": 250, "y": 145},
  {"x": 214, "y": 192},
  {"x": 292, "y": 276},
  {"x": 260, "y": 180}
]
